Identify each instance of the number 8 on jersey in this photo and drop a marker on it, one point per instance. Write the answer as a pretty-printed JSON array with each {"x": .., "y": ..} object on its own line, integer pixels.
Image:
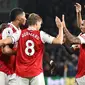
[{"x": 29, "y": 50}]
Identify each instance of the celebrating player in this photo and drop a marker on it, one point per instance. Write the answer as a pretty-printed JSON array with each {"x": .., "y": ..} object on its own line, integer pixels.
[
  {"x": 17, "y": 17},
  {"x": 30, "y": 50},
  {"x": 81, "y": 61},
  {"x": 4, "y": 70}
]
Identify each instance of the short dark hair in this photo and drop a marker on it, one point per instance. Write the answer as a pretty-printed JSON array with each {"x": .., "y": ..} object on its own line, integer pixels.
[
  {"x": 14, "y": 13},
  {"x": 33, "y": 18}
]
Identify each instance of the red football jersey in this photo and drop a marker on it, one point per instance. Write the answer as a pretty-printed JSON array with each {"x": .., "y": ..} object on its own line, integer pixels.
[
  {"x": 81, "y": 60},
  {"x": 11, "y": 63},
  {"x": 8, "y": 61},
  {"x": 29, "y": 54},
  {"x": 3, "y": 67}
]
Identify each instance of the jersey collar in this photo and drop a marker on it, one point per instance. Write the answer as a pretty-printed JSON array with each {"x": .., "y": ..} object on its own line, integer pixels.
[
  {"x": 13, "y": 26},
  {"x": 31, "y": 28}
]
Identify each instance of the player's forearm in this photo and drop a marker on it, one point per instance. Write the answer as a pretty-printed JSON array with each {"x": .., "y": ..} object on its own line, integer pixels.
[
  {"x": 59, "y": 37},
  {"x": 6, "y": 41},
  {"x": 8, "y": 51},
  {"x": 1, "y": 43},
  {"x": 12, "y": 52},
  {"x": 71, "y": 37},
  {"x": 79, "y": 19}
]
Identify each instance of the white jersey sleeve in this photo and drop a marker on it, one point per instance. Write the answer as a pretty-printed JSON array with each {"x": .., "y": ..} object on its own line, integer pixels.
[
  {"x": 15, "y": 36},
  {"x": 7, "y": 32},
  {"x": 82, "y": 38},
  {"x": 46, "y": 38}
]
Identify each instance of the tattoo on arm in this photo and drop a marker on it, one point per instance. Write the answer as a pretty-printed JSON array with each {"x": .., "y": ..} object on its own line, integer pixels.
[{"x": 71, "y": 38}]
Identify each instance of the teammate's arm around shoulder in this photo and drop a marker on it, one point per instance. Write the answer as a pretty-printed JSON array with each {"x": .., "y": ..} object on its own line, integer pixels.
[
  {"x": 59, "y": 38},
  {"x": 7, "y": 32},
  {"x": 11, "y": 39},
  {"x": 6, "y": 41}
]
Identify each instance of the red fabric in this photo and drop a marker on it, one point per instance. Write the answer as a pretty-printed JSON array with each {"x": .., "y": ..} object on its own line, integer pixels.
[
  {"x": 7, "y": 63},
  {"x": 29, "y": 66},
  {"x": 3, "y": 67},
  {"x": 11, "y": 63},
  {"x": 81, "y": 62}
]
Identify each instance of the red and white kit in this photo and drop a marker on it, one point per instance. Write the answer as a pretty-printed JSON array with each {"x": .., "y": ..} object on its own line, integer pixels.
[
  {"x": 80, "y": 76},
  {"x": 8, "y": 62},
  {"x": 30, "y": 54}
]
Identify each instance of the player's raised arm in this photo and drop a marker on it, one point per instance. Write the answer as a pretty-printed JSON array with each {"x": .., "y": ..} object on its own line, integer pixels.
[
  {"x": 59, "y": 38},
  {"x": 53, "y": 40},
  {"x": 69, "y": 36},
  {"x": 78, "y": 14}
]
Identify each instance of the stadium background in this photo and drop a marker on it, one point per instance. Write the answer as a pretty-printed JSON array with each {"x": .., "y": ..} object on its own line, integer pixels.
[{"x": 63, "y": 56}]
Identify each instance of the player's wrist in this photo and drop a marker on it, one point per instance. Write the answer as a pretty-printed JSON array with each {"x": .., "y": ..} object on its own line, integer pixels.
[
  {"x": 60, "y": 28},
  {"x": 79, "y": 11}
]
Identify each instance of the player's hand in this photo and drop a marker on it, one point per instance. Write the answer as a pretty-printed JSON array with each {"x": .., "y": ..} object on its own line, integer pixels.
[
  {"x": 75, "y": 46},
  {"x": 63, "y": 21},
  {"x": 53, "y": 67},
  {"x": 58, "y": 23},
  {"x": 78, "y": 7}
]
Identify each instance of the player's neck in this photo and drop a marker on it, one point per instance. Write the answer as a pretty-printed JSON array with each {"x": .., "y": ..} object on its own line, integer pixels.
[
  {"x": 15, "y": 24},
  {"x": 32, "y": 27}
]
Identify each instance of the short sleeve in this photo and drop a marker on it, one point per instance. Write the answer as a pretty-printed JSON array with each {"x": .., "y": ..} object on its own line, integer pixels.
[
  {"x": 46, "y": 38},
  {"x": 15, "y": 36},
  {"x": 82, "y": 38},
  {"x": 7, "y": 32}
]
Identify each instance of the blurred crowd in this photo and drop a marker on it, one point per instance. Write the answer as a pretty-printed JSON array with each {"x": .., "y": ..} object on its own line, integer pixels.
[{"x": 65, "y": 58}]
